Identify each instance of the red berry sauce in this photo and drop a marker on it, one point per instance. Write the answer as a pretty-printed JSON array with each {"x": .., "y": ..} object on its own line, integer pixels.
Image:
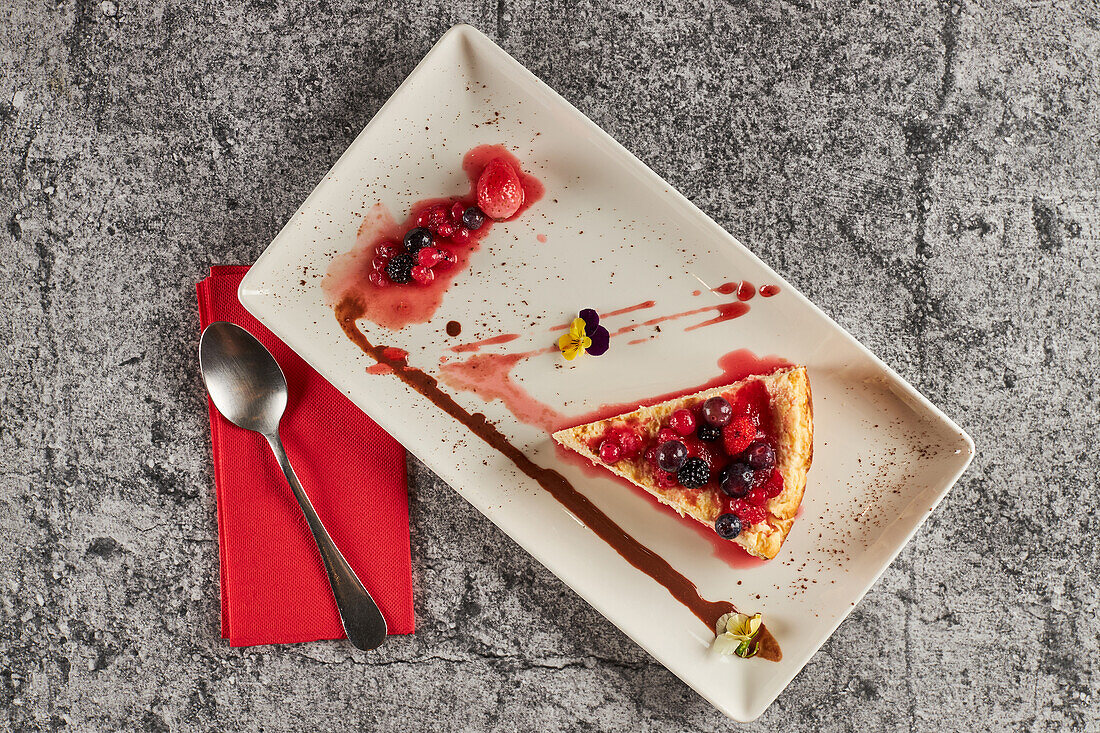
[{"x": 351, "y": 278}]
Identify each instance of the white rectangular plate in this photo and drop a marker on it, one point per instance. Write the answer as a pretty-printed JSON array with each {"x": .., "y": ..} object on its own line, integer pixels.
[{"x": 615, "y": 234}]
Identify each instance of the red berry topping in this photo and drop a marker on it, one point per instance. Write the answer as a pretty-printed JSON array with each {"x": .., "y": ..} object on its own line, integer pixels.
[
  {"x": 423, "y": 275},
  {"x": 423, "y": 219},
  {"x": 739, "y": 434},
  {"x": 748, "y": 513},
  {"x": 651, "y": 455},
  {"x": 499, "y": 190},
  {"x": 446, "y": 258},
  {"x": 379, "y": 263},
  {"x": 757, "y": 497},
  {"x": 387, "y": 250},
  {"x": 610, "y": 451},
  {"x": 683, "y": 422},
  {"x": 445, "y": 229},
  {"x": 456, "y": 212},
  {"x": 378, "y": 279},
  {"x": 773, "y": 487},
  {"x": 666, "y": 480},
  {"x": 429, "y": 257},
  {"x": 630, "y": 442},
  {"x": 437, "y": 215},
  {"x": 666, "y": 434},
  {"x": 461, "y": 236}
]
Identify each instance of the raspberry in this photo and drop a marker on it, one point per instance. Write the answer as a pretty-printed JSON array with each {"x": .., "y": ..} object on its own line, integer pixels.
[
  {"x": 424, "y": 218},
  {"x": 428, "y": 257},
  {"x": 446, "y": 258},
  {"x": 499, "y": 190},
  {"x": 757, "y": 497},
  {"x": 694, "y": 474},
  {"x": 379, "y": 263},
  {"x": 630, "y": 442},
  {"x": 666, "y": 480},
  {"x": 666, "y": 434},
  {"x": 610, "y": 451},
  {"x": 462, "y": 236},
  {"x": 378, "y": 279},
  {"x": 437, "y": 215},
  {"x": 651, "y": 455},
  {"x": 445, "y": 229},
  {"x": 683, "y": 422},
  {"x": 748, "y": 513},
  {"x": 457, "y": 209},
  {"x": 739, "y": 434},
  {"x": 387, "y": 250},
  {"x": 773, "y": 486},
  {"x": 423, "y": 275}
]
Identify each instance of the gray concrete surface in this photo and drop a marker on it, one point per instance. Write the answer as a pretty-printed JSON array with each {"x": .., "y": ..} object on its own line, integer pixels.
[{"x": 926, "y": 172}]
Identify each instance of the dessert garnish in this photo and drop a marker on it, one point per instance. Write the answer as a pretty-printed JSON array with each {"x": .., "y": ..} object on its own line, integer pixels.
[
  {"x": 737, "y": 633},
  {"x": 586, "y": 335},
  {"x": 733, "y": 457},
  {"x": 499, "y": 190},
  {"x": 422, "y": 251}
]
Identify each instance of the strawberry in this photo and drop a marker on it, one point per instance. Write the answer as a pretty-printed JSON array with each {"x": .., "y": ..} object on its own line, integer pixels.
[
  {"x": 499, "y": 190},
  {"x": 738, "y": 434}
]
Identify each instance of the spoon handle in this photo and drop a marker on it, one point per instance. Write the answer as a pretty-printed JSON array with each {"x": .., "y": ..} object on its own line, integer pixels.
[{"x": 363, "y": 622}]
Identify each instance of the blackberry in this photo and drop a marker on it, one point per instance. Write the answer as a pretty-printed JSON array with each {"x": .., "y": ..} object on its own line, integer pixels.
[
  {"x": 473, "y": 218},
  {"x": 727, "y": 526},
  {"x": 399, "y": 268},
  {"x": 708, "y": 432},
  {"x": 694, "y": 474},
  {"x": 417, "y": 239}
]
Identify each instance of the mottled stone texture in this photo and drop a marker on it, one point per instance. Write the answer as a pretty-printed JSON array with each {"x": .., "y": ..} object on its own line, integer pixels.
[{"x": 926, "y": 172}]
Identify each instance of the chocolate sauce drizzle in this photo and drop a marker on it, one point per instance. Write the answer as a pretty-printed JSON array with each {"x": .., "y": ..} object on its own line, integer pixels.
[{"x": 641, "y": 557}]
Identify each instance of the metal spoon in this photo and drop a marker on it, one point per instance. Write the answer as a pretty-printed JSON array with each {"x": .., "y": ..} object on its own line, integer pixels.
[{"x": 249, "y": 389}]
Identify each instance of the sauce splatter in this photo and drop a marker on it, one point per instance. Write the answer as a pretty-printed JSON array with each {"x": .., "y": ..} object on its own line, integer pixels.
[
  {"x": 476, "y": 345},
  {"x": 768, "y": 291}
]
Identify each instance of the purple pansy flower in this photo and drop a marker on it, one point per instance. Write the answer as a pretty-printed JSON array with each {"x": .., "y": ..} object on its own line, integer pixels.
[{"x": 601, "y": 339}]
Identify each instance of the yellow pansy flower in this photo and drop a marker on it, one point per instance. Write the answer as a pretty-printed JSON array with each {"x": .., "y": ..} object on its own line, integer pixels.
[
  {"x": 736, "y": 634},
  {"x": 575, "y": 342}
]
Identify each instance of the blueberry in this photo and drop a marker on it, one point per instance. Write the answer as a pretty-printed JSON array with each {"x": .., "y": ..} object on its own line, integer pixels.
[
  {"x": 671, "y": 455},
  {"x": 727, "y": 526},
  {"x": 760, "y": 456},
  {"x": 708, "y": 432},
  {"x": 738, "y": 480},
  {"x": 399, "y": 268},
  {"x": 694, "y": 474},
  {"x": 473, "y": 218},
  {"x": 417, "y": 239},
  {"x": 717, "y": 411}
]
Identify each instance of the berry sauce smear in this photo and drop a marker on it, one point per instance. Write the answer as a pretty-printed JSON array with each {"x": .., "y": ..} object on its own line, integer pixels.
[{"x": 398, "y": 272}]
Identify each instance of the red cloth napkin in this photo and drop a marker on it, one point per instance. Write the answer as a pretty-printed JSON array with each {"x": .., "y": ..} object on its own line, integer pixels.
[{"x": 274, "y": 589}]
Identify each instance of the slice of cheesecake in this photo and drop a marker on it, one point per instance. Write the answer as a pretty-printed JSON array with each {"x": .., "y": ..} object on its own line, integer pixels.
[{"x": 734, "y": 458}]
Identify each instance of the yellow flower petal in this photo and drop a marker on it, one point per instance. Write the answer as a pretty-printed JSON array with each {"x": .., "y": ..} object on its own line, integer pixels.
[
  {"x": 564, "y": 342},
  {"x": 576, "y": 330}
]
